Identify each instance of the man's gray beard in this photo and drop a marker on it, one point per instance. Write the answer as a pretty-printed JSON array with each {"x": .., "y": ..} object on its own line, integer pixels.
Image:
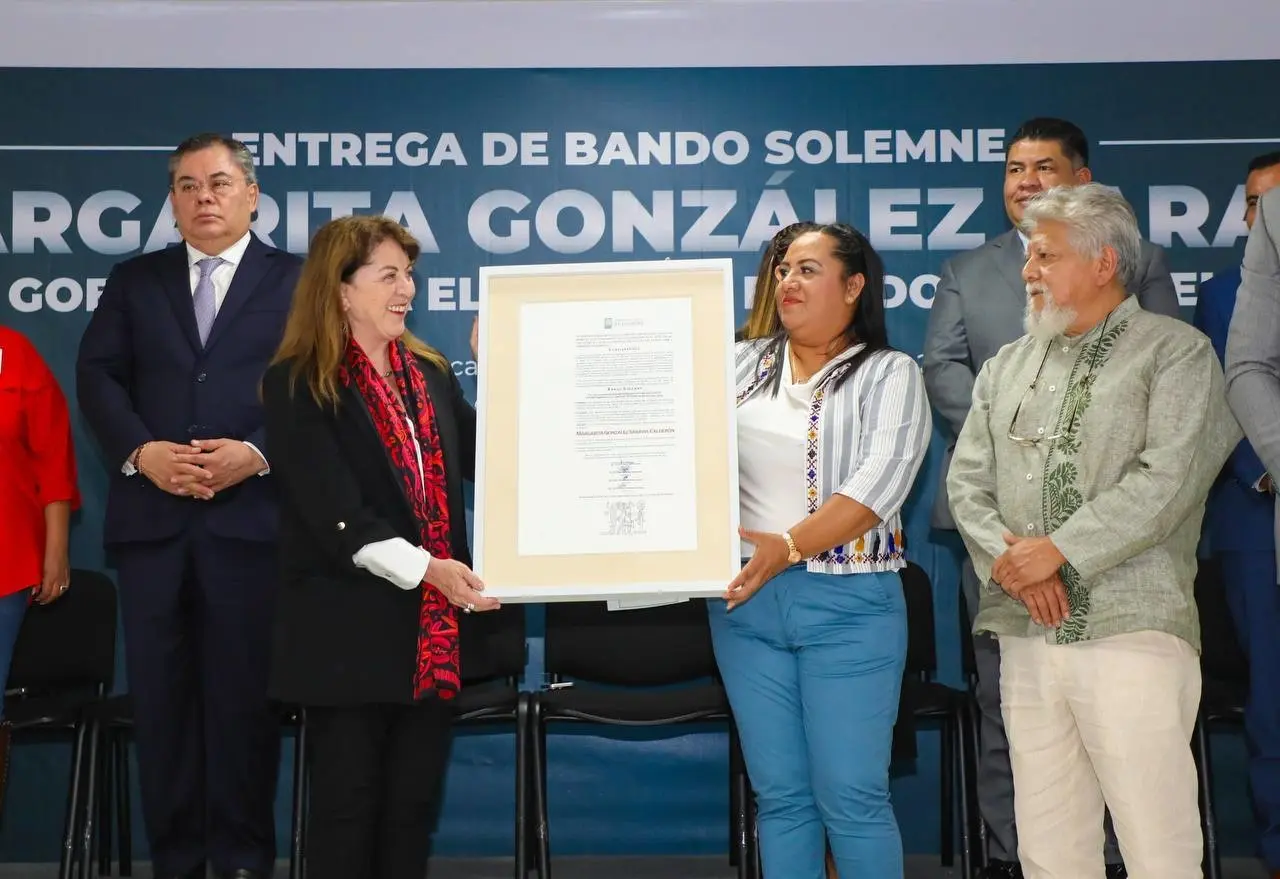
[{"x": 1049, "y": 322}]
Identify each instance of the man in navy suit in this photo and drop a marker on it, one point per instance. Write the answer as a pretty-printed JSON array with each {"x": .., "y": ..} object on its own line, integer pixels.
[
  {"x": 1240, "y": 520},
  {"x": 168, "y": 379}
]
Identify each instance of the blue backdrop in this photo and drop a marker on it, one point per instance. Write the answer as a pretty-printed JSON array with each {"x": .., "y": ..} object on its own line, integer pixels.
[{"x": 512, "y": 167}]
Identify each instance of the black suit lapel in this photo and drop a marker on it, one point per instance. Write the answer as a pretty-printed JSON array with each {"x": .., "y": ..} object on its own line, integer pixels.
[
  {"x": 175, "y": 279},
  {"x": 356, "y": 410},
  {"x": 249, "y": 274}
]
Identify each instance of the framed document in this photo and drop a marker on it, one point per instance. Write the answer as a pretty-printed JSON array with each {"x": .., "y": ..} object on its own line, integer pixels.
[{"x": 606, "y": 449}]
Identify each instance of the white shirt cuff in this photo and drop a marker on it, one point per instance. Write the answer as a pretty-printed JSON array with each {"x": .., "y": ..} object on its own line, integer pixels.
[
  {"x": 396, "y": 560},
  {"x": 128, "y": 469},
  {"x": 1257, "y": 486},
  {"x": 266, "y": 467}
]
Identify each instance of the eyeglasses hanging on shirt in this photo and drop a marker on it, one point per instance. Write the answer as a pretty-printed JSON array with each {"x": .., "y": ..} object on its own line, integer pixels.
[{"x": 1040, "y": 437}]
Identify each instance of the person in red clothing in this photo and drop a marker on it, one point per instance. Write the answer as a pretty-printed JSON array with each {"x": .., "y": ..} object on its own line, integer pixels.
[{"x": 37, "y": 493}]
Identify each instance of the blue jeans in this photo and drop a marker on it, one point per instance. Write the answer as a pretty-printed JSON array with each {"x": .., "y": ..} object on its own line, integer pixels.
[
  {"x": 813, "y": 667},
  {"x": 12, "y": 609}
]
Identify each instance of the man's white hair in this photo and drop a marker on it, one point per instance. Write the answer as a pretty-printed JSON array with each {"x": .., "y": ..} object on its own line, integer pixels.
[{"x": 1095, "y": 217}]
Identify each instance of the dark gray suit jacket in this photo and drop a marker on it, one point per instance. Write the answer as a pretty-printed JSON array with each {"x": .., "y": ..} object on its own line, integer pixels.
[{"x": 978, "y": 310}]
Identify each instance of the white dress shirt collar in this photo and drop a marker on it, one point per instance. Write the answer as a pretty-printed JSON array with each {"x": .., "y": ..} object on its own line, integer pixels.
[{"x": 232, "y": 254}]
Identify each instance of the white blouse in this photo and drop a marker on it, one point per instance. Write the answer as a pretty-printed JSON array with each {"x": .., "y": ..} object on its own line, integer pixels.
[{"x": 772, "y": 431}]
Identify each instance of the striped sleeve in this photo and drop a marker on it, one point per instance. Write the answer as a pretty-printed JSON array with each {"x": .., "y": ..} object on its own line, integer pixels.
[
  {"x": 895, "y": 425},
  {"x": 746, "y": 359}
]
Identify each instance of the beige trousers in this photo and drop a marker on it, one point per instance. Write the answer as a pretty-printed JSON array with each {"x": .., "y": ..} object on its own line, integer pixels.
[{"x": 1106, "y": 721}]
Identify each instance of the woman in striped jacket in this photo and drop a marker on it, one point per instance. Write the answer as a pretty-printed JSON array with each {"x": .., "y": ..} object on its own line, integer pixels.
[{"x": 811, "y": 637}]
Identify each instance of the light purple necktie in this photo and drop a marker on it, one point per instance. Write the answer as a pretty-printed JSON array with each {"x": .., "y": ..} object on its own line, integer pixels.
[{"x": 204, "y": 301}]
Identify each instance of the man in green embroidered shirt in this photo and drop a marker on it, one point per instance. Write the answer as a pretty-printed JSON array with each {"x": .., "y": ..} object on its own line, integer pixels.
[{"x": 1078, "y": 484}]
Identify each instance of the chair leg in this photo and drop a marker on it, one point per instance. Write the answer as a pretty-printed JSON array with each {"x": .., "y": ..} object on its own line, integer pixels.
[
  {"x": 539, "y": 742},
  {"x": 106, "y": 797},
  {"x": 961, "y": 771},
  {"x": 531, "y": 783},
  {"x": 124, "y": 803},
  {"x": 744, "y": 826},
  {"x": 298, "y": 853},
  {"x": 6, "y": 745},
  {"x": 736, "y": 822},
  {"x": 306, "y": 817},
  {"x": 72, "y": 821},
  {"x": 947, "y": 798},
  {"x": 1204, "y": 767},
  {"x": 979, "y": 827},
  {"x": 89, "y": 829},
  {"x": 522, "y": 787},
  {"x": 753, "y": 849},
  {"x": 739, "y": 788}
]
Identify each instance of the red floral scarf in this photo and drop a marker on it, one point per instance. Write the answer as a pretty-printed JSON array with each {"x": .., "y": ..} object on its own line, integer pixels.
[{"x": 437, "y": 667}]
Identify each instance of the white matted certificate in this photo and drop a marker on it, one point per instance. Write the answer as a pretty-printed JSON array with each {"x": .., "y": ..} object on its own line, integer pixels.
[
  {"x": 606, "y": 442},
  {"x": 606, "y": 427}
]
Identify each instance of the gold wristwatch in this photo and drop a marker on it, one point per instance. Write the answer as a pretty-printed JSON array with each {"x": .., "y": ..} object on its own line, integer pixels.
[{"x": 793, "y": 556}]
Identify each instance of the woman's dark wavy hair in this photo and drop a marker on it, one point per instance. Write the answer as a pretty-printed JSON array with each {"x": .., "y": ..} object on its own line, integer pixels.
[{"x": 867, "y": 324}]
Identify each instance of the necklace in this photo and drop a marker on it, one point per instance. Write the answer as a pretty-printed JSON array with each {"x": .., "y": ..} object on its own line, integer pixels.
[
  {"x": 797, "y": 376},
  {"x": 795, "y": 366}
]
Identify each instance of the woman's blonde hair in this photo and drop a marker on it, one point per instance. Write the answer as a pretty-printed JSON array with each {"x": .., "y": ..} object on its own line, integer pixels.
[{"x": 316, "y": 332}]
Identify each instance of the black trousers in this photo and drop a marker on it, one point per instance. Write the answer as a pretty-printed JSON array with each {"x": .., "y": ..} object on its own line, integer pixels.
[
  {"x": 197, "y": 613},
  {"x": 376, "y": 777}
]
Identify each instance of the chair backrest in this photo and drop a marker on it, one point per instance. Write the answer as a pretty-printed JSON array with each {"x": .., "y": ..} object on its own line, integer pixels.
[
  {"x": 1221, "y": 656},
  {"x": 651, "y": 646},
  {"x": 71, "y": 643},
  {"x": 922, "y": 649},
  {"x": 492, "y": 644}
]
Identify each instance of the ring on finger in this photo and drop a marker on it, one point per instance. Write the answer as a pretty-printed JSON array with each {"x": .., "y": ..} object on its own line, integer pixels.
[{"x": 470, "y": 606}]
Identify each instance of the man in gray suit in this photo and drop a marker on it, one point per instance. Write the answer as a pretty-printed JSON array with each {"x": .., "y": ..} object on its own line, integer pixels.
[
  {"x": 978, "y": 309},
  {"x": 1253, "y": 352},
  {"x": 1253, "y": 342}
]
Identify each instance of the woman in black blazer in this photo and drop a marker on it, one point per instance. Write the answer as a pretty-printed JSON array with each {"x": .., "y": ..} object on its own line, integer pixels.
[{"x": 370, "y": 439}]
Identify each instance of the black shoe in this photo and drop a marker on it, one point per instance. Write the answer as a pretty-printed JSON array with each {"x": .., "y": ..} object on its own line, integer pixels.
[
  {"x": 242, "y": 874},
  {"x": 1117, "y": 871},
  {"x": 997, "y": 869}
]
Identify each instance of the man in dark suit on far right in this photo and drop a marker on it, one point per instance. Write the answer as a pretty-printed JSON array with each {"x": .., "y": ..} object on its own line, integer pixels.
[
  {"x": 168, "y": 379},
  {"x": 977, "y": 310},
  {"x": 1240, "y": 523}
]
